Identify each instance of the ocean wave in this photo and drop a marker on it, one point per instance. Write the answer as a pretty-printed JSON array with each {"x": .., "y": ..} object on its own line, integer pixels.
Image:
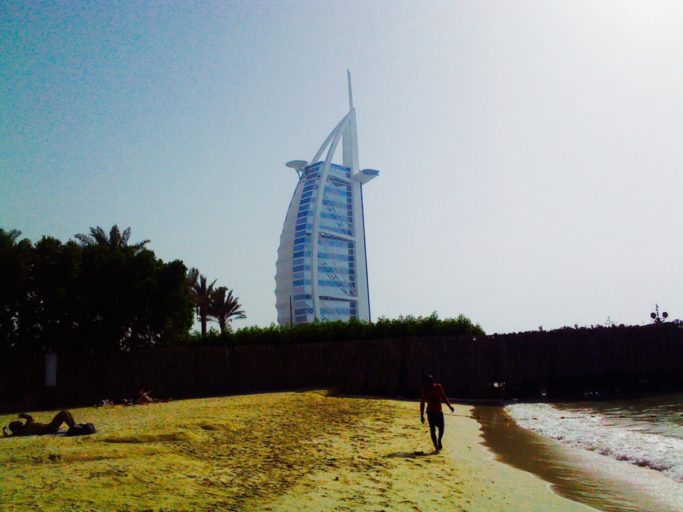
[{"x": 599, "y": 434}]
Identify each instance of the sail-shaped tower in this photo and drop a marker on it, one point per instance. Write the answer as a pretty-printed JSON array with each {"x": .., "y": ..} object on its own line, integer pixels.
[{"x": 321, "y": 270}]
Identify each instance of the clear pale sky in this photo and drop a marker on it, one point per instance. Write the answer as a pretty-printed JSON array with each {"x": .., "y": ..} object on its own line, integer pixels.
[{"x": 531, "y": 153}]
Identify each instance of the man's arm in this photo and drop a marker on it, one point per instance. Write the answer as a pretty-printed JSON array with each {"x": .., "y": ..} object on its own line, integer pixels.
[
  {"x": 422, "y": 409},
  {"x": 444, "y": 398},
  {"x": 27, "y": 417}
]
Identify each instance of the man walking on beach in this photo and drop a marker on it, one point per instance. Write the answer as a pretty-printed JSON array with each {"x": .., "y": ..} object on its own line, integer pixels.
[{"x": 433, "y": 394}]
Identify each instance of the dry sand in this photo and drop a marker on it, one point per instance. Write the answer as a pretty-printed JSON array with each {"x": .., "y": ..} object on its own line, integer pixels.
[{"x": 281, "y": 451}]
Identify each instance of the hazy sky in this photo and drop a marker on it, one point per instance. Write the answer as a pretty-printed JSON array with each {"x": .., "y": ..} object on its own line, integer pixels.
[{"x": 531, "y": 153}]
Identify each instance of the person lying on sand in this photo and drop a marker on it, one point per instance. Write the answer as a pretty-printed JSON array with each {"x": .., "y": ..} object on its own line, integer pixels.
[
  {"x": 144, "y": 397},
  {"x": 33, "y": 428},
  {"x": 433, "y": 394}
]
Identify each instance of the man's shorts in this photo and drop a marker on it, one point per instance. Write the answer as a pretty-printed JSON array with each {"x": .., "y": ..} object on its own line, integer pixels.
[{"x": 435, "y": 419}]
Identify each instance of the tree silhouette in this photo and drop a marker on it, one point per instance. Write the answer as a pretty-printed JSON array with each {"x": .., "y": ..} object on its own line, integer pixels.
[
  {"x": 201, "y": 295},
  {"x": 15, "y": 265},
  {"x": 99, "y": 294},
  {"x": 9, "y": 238},
  {"x": 115, "y": 240},
  {"x": 224, "y": 308}
]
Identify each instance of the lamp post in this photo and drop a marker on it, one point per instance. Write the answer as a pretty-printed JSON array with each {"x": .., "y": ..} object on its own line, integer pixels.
[{"x": 656, "y": 318}]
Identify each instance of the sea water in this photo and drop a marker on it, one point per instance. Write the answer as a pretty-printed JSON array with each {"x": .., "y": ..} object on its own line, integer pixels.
[{"x": 644, "y": 434}]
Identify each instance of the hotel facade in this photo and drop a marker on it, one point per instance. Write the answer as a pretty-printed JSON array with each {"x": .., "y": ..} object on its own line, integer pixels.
[{"x": 321, "y": 270}]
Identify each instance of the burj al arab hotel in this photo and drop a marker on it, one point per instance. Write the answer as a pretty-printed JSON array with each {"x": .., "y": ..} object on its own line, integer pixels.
[{"x": 322, "y": 262}]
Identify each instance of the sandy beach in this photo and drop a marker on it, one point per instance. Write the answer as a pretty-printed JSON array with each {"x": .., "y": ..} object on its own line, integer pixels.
[{"x": 278, "y": 451}]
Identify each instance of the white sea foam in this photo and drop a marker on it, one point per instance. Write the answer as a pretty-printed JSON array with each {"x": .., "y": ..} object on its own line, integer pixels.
[{"x": 601, "y": 434}]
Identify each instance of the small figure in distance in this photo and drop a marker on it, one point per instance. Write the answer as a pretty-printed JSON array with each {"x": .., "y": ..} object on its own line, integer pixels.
[
  {"x": 145, "y": 397},
  {"x": 33, "y": 428},
  {"x": 433, "y": 394}
]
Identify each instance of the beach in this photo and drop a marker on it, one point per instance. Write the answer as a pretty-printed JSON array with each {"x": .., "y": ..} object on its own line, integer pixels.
[
  {"x": 275, "y": 451},
  {"x": 617, "y": 455}
]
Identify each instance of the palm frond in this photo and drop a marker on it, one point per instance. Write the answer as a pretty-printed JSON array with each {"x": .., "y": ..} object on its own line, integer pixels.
[
  {"x": 114, "y": 240},
  {"x": 192, "y": 276},
  {"x": 9, "y": 237},
  {"x": 224, "y": 307},
  {"x": 84, "y": 239},
  {"x": 99, "y": 236},
  {"x": 139, "y": 245}
]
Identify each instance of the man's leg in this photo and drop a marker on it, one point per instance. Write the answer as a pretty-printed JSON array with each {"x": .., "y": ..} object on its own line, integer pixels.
[
  {"x": 441, "y": 426},
  {"x": 69, "y": 419},
  {"x": 432, "y": 430},
  {"x": 61, "y": 417}
]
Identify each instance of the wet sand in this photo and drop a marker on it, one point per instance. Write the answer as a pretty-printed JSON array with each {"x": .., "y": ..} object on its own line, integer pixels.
[
  {"x": 280, "y": 451},
  {"x": 603, "y": 483}
]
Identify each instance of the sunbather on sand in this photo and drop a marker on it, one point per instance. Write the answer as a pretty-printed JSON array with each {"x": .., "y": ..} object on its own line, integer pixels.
[
  {"x": 33, "y": 428},
  {"x": 145, "y": 397}
]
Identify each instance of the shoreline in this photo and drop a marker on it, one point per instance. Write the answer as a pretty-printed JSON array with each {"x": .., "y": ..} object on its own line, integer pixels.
[{"x": 586, "y": 477}]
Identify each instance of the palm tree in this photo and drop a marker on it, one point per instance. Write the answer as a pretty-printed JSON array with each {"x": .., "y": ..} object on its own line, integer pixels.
[
  {"x": 114, "y": 241},
  {"x": 201, "y": 295},
  {"x": 224, "y": 307}
]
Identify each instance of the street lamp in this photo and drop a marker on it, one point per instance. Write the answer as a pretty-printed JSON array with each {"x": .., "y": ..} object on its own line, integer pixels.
[{"x": 655, "y": 315}]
